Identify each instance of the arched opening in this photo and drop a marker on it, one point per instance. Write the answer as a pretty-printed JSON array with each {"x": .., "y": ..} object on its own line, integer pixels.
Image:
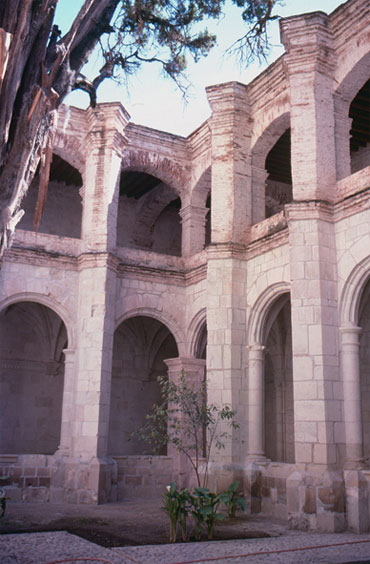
[
  {"x": 141, "y": 344},
  {"x": 148, "y": 214},
  {"x": 201, "y": 344},
  {"x": 364, "y": 323},
  {"x": 32, "y": 339},
  {"x": 278, "y": 377},
  {"x": 279, "y": 180},
  {"x": 63, "y": 207},
  {"x": 359, "y": 111}
]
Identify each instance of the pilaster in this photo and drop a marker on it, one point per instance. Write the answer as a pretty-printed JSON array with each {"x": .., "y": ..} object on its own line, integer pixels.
[{"x": 230, "y": 126}]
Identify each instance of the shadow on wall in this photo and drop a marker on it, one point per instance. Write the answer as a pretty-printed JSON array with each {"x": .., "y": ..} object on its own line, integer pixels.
[
  {"x": 141, "y": 344},
  {"x": 148, "y": 214},
  {"x": 62, "y": 213},
  {"x": 32, "y": 338}
]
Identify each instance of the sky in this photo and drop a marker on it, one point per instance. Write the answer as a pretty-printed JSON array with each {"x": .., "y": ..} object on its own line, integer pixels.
[{"x": 155, "y": 101}]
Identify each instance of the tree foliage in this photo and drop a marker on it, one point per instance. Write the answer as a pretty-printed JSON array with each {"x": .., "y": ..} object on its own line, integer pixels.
[
  {"x": 39, "y": 67},
  {"x": 185, "y": 420}
]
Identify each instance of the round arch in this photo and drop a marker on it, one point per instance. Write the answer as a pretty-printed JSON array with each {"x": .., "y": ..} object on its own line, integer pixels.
[
  {"x": 68, "y": 148},
  {"x": 261, "y": 309},
  {"x": 268, "y": 138},
  {"x": 202, "y": 187},
  {"x": 160, "y": 316},
  {"x": 195, "y": 329},
  {"x": 352, "y": 292},
  {"x": 355, "y": 76},
  {"x": 163, "y": 168},
  {"x": 48, "y": 302}
]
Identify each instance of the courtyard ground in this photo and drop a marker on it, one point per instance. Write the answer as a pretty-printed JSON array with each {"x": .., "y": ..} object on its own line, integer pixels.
[{"x": 128, "y": 523}]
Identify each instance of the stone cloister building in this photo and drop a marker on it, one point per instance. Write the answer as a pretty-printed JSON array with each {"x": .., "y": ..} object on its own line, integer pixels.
[{"x": 242, "y": 251}]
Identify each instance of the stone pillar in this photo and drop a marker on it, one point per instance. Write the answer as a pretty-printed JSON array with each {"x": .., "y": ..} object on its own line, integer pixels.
[
  {"x": 256, "y": 438},
  {"x": 105, "y": 144},
  {"x": 309, "y": 63},
  {"x": 88, "y": 475},
  {"x": 350, "y": 365},
  {"x": 231, "y": 172},
  {"x": 226, "y": 330},
  {"x": 318, "y": 400},
  {"x": 88, "y": 472},
  {"x": 193, "y": 220},
  {"x": 194, "y": 370},
  {"x": 317, "y": 384},
  {"x": 68, "y": 403}
]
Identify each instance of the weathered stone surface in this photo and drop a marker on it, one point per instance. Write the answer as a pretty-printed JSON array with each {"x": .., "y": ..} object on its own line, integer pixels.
[{"x": 243, "y": 248}]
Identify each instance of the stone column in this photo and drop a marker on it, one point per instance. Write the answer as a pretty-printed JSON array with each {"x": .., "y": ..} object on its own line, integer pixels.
[
  {"x": 256, "y": 404},
  {"x": 350, "y": 365},
  {"x": 193, "y": 220},
  {"x": 231, "y": 172},
  {"x": 68, "y": 403},
  {"x": 194, "y": 370}
]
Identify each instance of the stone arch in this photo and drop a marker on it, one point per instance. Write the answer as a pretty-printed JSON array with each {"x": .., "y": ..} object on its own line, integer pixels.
[
  {"x": 352, "y": 293},
  {"x": 267, "y": 142},
  {"x": 62, "y": 213},
  {"x": 202, "y": 188},
  {"x": 146, "y": 216},
  {"x": 49, "y": 302},
  {"x": 69, "y": 149},
  {"x": 261, "y": 310},
  {"x": 356, "y": 76},
  {"x": 161, "y": 316},
  {"x": 268, "y": 138},
  {"x": 137, "y": 364},
  {"x": 195, "y": 330},
  {"x": 168, "y": 171},
  {"x": 148, "y": 211},
  {"x": 33, "y": 338}
]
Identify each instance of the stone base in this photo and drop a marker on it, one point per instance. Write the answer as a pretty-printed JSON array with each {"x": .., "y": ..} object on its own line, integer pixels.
[
  {"x": 316, "y": 500},
  {"x": 357, "y": 484}
]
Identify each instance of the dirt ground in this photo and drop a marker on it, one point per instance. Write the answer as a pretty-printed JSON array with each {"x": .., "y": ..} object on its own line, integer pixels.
[{"x": 129, "y": 523}]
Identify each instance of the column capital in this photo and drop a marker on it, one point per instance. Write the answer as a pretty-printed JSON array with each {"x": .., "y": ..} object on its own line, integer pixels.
[
  {"x": 308, "y": 42},
  {"x": 69, "y": 354},
  {"x": 185, "y": 363},
  {"x": 350, "y": 335},
  {"x": 191, "y": 212}
]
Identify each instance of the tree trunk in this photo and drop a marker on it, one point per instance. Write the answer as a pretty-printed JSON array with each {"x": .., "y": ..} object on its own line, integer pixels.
[{"x": 37, "y": 71}]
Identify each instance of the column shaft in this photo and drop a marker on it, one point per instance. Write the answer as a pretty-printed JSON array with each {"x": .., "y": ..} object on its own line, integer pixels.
[{"x": 350, "y": 364}]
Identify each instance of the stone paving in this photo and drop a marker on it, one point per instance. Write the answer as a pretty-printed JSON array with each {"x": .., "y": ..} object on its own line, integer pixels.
[{"x": 305, "y": 548}]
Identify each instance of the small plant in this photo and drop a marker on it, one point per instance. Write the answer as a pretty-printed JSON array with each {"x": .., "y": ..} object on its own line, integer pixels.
[
  {"x": 204, "y": 506},
  {"x": 176, "y": 505},
  {"x": 3, "y": 500},
  {"x": 183, "y": 418},
  {"x": 233, "y": 499}
]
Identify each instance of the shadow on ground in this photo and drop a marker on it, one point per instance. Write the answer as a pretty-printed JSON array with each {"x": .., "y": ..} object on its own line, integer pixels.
[{"x": 121, "y": 524}]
